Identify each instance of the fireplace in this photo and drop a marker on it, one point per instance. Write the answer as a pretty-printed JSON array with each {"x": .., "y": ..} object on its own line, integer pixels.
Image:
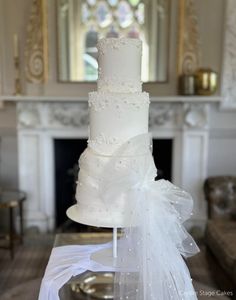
[
  {"x": 66, "y": 154},
  {"x": 181, "y": 126}
]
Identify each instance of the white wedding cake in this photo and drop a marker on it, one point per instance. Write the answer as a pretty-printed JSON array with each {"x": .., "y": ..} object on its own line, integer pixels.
[
  {"x": 117, "y": 188},
  {"x": 118, "y": 111}
]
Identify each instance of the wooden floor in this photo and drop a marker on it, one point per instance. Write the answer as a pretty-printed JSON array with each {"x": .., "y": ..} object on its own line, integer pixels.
[{"x": 29, "y": 262}]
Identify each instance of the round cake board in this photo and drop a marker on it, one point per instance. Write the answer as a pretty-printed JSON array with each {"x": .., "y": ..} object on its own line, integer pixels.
[{"x": 74, "y": 213}]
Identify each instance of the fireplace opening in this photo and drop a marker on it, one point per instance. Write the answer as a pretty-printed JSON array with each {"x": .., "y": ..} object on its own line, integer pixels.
[
  {"x": 162, "y": 153},
  {"x": 67, "y": 153}
]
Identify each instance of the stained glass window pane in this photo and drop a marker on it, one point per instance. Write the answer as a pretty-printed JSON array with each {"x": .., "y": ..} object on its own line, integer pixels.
[
  {"x": 85, "y": 13},
  {"x": 91, "y": 2},
  {"x": 140, "y": 13},
  {"x": 134, "y": 2},
  {"x": 104, "y": 16},
  {"x": 124, "y": 14},
  {"x": 113, "y": 2}
]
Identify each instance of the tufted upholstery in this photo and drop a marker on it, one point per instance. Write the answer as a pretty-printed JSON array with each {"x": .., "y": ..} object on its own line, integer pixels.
[
  {"x": 221, "y": 196},
  {"x": 220, "y": 193}
]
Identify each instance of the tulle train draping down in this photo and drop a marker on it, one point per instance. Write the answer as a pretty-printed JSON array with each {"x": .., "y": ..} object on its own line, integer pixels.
[{"x": 152, "y": 248}]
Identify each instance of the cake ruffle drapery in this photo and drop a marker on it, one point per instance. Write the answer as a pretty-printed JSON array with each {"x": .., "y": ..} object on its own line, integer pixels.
[{"x": 151, "y": 251}]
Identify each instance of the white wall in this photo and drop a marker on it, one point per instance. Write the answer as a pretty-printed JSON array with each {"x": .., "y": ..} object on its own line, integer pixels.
[
  {"x": 222, "y": 141},
  {"x": 13, "y": 18},
  {"x": 211, "y": 18},
  {"x": 222, "y": 144}
]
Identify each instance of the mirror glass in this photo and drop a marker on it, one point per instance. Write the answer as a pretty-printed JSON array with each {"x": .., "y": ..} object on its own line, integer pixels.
[{"x": 81, "y": 23}]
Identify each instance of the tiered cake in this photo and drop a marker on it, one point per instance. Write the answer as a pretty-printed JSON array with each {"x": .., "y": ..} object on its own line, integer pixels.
[
  {"x": 118, "y": 111},
  {"x": 116, "y": 188}
]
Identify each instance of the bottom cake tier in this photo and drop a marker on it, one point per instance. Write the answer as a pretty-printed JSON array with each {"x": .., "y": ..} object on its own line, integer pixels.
[{"x": 104, "y": 184}]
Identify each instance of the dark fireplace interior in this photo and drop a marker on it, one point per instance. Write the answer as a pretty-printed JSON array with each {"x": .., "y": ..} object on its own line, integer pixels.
[
  {"x": 67, "y": 153},
  {"x": 162, "y": 153}
]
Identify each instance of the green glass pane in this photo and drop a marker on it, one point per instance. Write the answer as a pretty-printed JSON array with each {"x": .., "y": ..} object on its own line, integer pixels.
[
  {"x": 113, "y": 2},
  {"x": 140, "y": 15},
  {"x": 134, "y": 2}
]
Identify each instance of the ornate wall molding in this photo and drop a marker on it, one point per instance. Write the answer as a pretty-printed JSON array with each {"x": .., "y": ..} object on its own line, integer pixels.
[
  {"x": 36, "y": 49},
  {"x": 189, "y": 38},
  {"x": 229, "y": 56}
]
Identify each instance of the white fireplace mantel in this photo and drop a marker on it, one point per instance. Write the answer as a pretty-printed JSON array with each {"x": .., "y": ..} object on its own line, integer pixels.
[
  {"x": 42, "y": 121},
  {"x": 173, "y": 99}
]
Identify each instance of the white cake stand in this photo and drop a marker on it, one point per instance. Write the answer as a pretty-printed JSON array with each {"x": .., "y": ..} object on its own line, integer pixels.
[{"x": 107, "y": 257}]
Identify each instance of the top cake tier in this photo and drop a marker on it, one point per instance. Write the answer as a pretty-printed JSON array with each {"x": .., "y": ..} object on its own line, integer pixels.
[{"x": 119, "y": 61}]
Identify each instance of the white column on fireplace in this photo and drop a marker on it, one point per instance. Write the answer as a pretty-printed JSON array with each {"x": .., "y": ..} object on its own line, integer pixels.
[{"x": 39, "y": 123}]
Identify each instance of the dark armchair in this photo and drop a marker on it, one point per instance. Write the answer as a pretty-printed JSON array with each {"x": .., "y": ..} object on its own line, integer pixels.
[{"x": 220, "y": 193}]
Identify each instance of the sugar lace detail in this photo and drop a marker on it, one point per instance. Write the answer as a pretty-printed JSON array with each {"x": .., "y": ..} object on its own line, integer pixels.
[
  {"x": 117, "y": 43},
  {"x": 100, "y": 101},
  {"x": 115, "y": 84},
  {"x": 102, "y": 139}
]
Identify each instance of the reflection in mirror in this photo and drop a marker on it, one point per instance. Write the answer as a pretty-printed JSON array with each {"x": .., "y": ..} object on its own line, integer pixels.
[{"x": 82, "y": 22}]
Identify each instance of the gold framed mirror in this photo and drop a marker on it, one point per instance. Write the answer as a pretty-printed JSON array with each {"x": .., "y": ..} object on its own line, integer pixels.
[
  {"x": 80, "y": 23},
  {"x": 70, "y": 64},
  {"x": 36, "y": 48}
]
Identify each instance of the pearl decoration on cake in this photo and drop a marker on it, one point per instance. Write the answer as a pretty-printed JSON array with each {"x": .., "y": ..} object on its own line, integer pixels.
[
  {"x": 100, "y": 100},
  {"x": 116, "y": 44},
  {"x": 108, "y": 86}
]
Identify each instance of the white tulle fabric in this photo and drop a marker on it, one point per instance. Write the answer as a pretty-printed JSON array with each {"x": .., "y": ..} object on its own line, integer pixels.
[
  {"x": 66, "y": 262},
  {"x": 154, "y": 244}
]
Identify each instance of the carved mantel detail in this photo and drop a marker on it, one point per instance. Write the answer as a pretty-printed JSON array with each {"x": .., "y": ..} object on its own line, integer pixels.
[
  {"x": 189, "y": 38},
  {"x": 68, "y": 115},
  {"x": 36, "y": 49},
  {"x": 161, "y": 114},
  {"x": 229, "y": 56},
  {"x": 75, "y": 115},
  {"x": 29, "y": 115},
  {"x": 52, "y": 115},
  {"x": 196, "y": 116}
]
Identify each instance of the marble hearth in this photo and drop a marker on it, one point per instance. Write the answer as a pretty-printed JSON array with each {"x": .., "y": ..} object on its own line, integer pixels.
[{"x": 40, "y": 122}]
